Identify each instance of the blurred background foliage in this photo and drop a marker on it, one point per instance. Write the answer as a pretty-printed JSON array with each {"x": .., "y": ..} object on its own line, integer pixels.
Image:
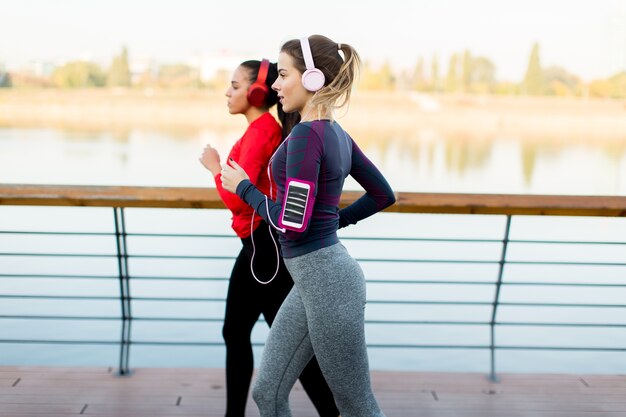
[{"x": 462, "y": 72}]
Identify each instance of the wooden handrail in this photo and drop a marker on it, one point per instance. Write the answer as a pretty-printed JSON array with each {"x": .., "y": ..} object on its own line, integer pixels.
[{"x": 189, "y": 197}]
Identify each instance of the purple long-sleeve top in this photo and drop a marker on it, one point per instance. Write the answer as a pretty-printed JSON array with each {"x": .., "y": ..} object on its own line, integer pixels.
[{"x": 321, "y": 153}]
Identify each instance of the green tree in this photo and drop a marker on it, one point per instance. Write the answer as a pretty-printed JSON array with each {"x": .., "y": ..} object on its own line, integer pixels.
[
  {"x": 387, "y": 76},
  {"x": 179, "y": 76},
  {"x": 418, "y": 81},
  {"x": 483, "y": 76},
  {"x": 468, "y": 71},
  {"x": 452, "y": 82},
  {"x": 600, "y": 88},
  {"x": 559, "y": 82},
  {"x": 119, "y": 71},
  {"x": 533, "y": 81},
  {"x": 367, "y": 80},
  {"x": 435, "y": 81},
  {"x": 618, "y": 85},
  {"x": 506, "y": 88},
  {"x": 377, "y": 79},
  {"x": 78, "y": 74}
]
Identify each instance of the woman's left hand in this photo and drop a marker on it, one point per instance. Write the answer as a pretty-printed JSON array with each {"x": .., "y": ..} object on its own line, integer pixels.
[{"x": 232, "y": 175}]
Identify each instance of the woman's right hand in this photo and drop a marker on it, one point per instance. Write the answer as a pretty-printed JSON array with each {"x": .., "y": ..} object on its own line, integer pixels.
[
  {"x": 232, "y": 175},
  {"x": 210, "y": 158}
]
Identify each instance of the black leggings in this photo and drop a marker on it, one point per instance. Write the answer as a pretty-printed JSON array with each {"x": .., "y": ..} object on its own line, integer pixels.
[{"x": 245, "y": 302}]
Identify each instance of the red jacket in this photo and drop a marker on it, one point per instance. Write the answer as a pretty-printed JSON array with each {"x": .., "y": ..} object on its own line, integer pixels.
[{"x": 253, "y": 152}]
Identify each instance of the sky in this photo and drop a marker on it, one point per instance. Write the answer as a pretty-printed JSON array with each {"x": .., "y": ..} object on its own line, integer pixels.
[{"x": 587, "y": 37}]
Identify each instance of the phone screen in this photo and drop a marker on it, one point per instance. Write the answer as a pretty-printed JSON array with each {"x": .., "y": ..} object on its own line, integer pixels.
[{"x": 295, "y": 204}]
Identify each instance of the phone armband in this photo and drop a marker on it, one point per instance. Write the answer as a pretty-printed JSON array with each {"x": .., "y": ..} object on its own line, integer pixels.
[{"x": 297, "y": 205}]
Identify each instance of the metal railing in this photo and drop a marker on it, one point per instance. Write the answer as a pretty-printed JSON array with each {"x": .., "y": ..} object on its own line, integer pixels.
[{"x": 504, "y": 207}]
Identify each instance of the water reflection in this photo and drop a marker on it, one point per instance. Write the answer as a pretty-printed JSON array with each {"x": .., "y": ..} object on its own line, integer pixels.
[{"x": 423, "y": 160}]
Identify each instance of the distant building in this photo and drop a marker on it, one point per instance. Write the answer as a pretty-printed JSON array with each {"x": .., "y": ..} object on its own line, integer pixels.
[
  {"x": 142, "y": 67},
  {"x": 41, "y": 69},
  {"x": 211, "y": 65},
  {"x": 5, "y": 79}
]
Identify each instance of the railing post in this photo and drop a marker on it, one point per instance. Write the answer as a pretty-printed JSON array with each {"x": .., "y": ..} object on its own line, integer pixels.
[
  {"x": 496, "y": 301},
  {"x": 122, "y": 265}
]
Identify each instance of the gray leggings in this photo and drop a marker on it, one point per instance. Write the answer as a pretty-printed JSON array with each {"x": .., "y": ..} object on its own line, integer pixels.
[{"x": 323, "y": 314}]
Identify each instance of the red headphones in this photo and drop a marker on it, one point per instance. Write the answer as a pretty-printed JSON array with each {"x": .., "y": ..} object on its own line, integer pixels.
[{"x": 257, "y": 93}]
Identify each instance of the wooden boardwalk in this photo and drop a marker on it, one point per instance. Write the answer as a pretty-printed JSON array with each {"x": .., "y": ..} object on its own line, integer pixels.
[{"x": 150, "y": 392}]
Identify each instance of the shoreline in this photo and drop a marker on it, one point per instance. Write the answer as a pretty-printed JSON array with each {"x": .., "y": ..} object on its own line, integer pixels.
[{"x": 384, "y": 114}]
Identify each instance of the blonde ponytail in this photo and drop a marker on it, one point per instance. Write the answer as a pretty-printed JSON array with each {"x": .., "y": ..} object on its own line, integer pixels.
[{"x": 337, "y": 93}]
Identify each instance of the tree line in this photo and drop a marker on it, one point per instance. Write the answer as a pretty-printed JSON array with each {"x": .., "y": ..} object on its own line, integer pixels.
[
  {"x": 470, "y": 74},
  {"x": 465, "y": 73}
]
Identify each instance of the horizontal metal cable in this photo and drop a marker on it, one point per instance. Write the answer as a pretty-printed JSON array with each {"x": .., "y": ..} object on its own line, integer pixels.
[
  {"x": 373, "y": 281},
  {"x": 562, "y": 284},
  {"x": 461, "y": 303},
  {"x": 563, "y": 348},
  {"x": 400, "y": 302},
  {"x": 529, "y": 283},
  {"x": 194, "y": 235},
  {"x": 356, "y": 238},
  {"x": 104, "y": 277},
  {"x": 113, "y": 255},
  {"x": 382, "y": 260},
  {"x": 54, "y": 276},
  {"x": 562, "y": 305},
  {"x": 420, "y": 239},
  {"x": 497, "y": 347},
  {"x": 372, "y": 321},
  {"x": 565, "y": 263},
  {"x": 486, "y": 323},
  {"x": 78, "y": 318},
  {"x": 15, "y": 232},
  {"x": 372, "y": 345},
  {"x": 61, "y": 342},
  {"x": 60, "y": 297},
  {"x": 59, "y": 255},
  {"x": 418, "y": 281},
  {"x": 568, "y": 242},
  {"x": 536, "y": 324}
]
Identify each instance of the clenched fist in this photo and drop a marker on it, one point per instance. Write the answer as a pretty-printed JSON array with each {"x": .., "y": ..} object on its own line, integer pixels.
[{"x": 232, "y": 175}]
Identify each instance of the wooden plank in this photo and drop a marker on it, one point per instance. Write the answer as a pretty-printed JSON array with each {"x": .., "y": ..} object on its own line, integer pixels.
[
  {"x": 8, "y": 382},
  {"x": 512, "y": 204},
  {"x": 11, "y": 409},
  {"x": 92, "y": 398},
  {"x": 410, "y": 413},
  {"x": 109, "y": 196},
  {"x": 193, "y": 197},
  {"x": 539, "y": 397},
  {"x": 516, "y": 403},
  {"x": 612, "y": 381},
  {"x": 52, "y": 392}
]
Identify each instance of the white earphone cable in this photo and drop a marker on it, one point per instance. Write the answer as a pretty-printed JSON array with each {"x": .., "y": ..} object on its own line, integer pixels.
[
  {"x": 254, "y": 253},
  {"x": 269, "y": 229}
]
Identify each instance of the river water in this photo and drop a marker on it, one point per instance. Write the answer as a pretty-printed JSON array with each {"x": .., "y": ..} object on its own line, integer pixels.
[{"x": 429, "y": 163}]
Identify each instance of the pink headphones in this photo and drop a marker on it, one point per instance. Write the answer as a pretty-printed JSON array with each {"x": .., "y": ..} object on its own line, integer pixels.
[{"x": 312, "y": 79}]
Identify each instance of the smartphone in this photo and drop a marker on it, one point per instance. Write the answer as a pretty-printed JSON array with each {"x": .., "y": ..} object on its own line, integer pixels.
[{"x": 297, "y": 205}]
